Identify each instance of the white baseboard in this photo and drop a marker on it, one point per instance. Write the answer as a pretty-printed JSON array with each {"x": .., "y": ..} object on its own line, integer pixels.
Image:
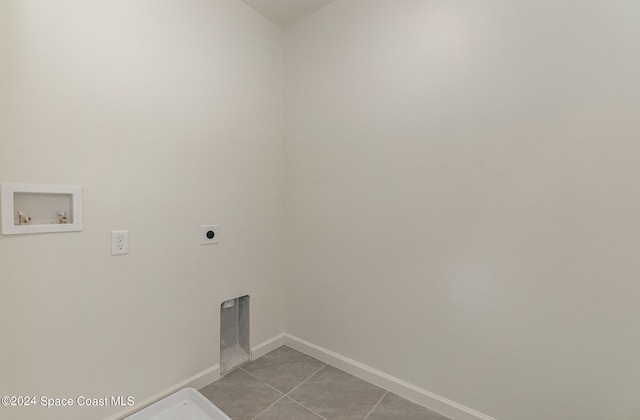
[
  {"x": 199, "y": 380},
  {"x": 406, "y": 390},
  {"x": 425, "y": 398},
  {"x": 269, "y": 345}
]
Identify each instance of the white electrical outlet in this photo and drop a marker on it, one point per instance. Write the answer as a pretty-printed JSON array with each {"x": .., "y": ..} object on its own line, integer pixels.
[
  {"x": 119, "y": 242},
  {"x": 209, "y": 234}
]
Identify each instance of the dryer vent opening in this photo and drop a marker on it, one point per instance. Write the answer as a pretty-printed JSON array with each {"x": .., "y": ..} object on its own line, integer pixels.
[{"x": 235, "y": 348}]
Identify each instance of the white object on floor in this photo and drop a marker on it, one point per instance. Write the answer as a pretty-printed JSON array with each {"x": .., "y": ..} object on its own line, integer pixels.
[{"x": 187, "y": 404}]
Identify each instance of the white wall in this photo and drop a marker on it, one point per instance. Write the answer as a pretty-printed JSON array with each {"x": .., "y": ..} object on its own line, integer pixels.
[
  {"x": 169, "y": 115},
  {"x": 463, "y": 198}
]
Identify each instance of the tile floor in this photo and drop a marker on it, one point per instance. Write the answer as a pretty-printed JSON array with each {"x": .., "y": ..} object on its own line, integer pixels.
[{"x": 286, "y": 384}]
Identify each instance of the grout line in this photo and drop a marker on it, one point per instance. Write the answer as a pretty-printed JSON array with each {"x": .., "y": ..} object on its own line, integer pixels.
[
  {"x": 277, "y": 390},
  {"x": 283, "y": 394},
  {"x": 274, "y": 403},
  {"x": 296, "y": 387},
  {"x": 374, "y": 407},
  {"x": 287, "y": 394},
  {"x": 305, "y": 407}
]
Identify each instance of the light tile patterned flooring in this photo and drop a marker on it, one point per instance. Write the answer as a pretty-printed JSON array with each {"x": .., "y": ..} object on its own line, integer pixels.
[{"x": 288, "y": 385}]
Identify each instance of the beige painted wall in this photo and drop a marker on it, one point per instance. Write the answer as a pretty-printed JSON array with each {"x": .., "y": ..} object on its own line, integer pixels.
[
  {"x": 462, "y": 195},
  {"x": 169, "y": 115},
  {"x": 464, "y": 199}
]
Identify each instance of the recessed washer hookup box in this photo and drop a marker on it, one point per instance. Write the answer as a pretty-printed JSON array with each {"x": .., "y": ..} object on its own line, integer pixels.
[{"x": 187, "y": 404}]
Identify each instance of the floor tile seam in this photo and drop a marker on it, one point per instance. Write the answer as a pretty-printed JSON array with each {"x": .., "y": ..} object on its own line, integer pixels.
[
  {"x": 305, "y": 407},
  {"x": 272, "y": 404},
  {"x": 269, "y": 385},
  {"x": 310, "y": 376},
  {"x": 377, "y": 404}
]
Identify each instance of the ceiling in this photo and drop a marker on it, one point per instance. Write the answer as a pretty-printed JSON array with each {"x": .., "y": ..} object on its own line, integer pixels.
[{"x": 286, "y": 12}]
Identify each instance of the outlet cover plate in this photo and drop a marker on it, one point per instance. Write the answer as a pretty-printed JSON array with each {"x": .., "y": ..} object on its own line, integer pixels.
[{"x": 119, "y": 242}]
